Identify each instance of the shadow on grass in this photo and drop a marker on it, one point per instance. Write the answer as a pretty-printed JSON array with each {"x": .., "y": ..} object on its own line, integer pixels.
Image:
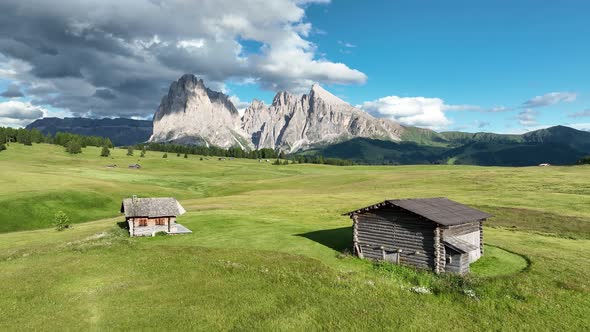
[
  {"x": 123, "y": 225},
  {"x": 338, "y": 239}
]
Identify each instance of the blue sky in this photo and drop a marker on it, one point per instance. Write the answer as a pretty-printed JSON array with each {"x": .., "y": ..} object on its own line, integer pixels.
[{"x": 501, "y": 66}]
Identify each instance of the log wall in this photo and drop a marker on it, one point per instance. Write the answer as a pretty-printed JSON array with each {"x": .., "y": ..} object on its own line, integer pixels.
[{"x": 396, "y": 235}]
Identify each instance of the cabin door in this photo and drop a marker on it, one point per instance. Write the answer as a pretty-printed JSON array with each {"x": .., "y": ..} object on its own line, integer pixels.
[{"x": 391, "y": 257}]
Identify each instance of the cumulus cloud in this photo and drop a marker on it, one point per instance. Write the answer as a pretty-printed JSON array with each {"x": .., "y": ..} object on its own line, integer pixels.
[
  {"x": 548, "y": 99},
  {"x": 411, "y": 111},
  {"x": 110, "y": 57},
  {"x": 15, "y": 113},
  {"x": 582, "y": 114},
  {"x": 528, "y": 117}
]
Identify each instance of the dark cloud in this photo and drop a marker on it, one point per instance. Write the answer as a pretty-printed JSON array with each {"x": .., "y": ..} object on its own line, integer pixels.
[
  {"x": 117, "y": 58},
  {"x": 104, "y": 94},
  {"x": 13, "y": 91}
]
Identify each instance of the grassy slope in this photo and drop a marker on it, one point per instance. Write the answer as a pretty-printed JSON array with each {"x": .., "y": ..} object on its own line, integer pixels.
[{"x": 263, "y": 254}]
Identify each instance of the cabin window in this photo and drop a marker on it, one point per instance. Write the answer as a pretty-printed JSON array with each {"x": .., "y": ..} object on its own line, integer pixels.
[
  {"x": 161, "y": 221},
  {"x": 142, "y": 222}
]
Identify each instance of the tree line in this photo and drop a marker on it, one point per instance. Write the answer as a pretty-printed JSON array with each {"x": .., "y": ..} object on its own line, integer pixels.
[{"x": 72, "y": 142}]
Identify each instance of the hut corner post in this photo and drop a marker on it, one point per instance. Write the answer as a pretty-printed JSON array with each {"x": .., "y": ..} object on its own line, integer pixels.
[
  {"x": 437, "y": 254},
  {"x": 481, "y": 237},
  {"x": 356, "y": 249}
]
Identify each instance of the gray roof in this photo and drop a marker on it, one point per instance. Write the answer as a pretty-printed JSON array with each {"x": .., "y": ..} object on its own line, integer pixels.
[
  {"x": 440, "y": 210},
  {"x": 151, "y": 207},
  {"x": 459, "y": 245}
]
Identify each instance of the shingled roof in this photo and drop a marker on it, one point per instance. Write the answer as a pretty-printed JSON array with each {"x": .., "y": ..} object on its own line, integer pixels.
[
  {"x": 440, "y": 210},
  {"x": 151, "y": 207}
]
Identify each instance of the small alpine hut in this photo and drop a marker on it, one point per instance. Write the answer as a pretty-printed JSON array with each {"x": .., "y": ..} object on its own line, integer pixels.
[
  {"x": 147, "y": 216},
  {"x": 429, "y": 233}
]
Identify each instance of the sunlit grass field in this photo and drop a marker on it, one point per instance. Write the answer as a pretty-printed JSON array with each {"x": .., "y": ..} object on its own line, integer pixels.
[{"x": 269, "y": 247}]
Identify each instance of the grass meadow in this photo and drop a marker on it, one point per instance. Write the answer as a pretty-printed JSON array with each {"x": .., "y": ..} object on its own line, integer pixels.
[{"x": 269, "y": 247}]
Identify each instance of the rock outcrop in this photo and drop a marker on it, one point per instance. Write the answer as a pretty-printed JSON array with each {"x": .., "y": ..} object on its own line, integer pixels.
[
  {"x": 193, "y": 114},
  {"x": 294, "y": 123}
]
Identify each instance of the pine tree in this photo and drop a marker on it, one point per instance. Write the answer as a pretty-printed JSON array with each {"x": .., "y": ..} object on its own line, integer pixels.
[
  {"x": 108, "y": 143},
  {"x": 185, "y": 155},
  {"x": 73, "y": 147},
  {"x": 130, "y": 151},
  {"x": 105, "y": 151},
  {"x": 142, "y": 151}
]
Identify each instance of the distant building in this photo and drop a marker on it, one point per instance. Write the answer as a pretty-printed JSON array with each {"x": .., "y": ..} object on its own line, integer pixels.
[
  {"x": 147, "y": 216},
  {"x": 544, "y": 165},
  {"x": 431, "y": 233}
]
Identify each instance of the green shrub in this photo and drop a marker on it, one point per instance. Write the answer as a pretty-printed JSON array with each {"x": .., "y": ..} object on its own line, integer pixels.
[
  {"x": 186, "y": 155},
  {"x": 3, "y": 147},
  {"x": 165, "y": 155},
  {"x": 160, "y": 233},
  {"x": 61, "y": 221},
  {"x": 130, "y": 151}
]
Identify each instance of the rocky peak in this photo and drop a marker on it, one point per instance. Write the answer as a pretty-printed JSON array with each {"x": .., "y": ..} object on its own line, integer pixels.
[{"x": 317, "y": 92}]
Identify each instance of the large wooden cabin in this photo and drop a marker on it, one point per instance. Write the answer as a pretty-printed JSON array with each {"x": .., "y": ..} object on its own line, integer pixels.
[
  {"x": 146, "y": 216},
  {"x": 430, "y": 233}
]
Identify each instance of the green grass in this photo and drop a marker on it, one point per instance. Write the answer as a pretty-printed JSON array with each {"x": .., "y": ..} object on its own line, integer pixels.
[{"x": 268, "y": 250}]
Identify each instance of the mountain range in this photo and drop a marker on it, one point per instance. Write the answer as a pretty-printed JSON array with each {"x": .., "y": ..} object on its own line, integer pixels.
[{"x": 321, "y": 123}]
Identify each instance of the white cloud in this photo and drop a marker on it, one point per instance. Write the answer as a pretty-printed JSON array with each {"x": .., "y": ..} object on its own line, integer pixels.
[
  {"x": 15, "y": 113},
  {"x": 551, "y": 98},
  {"x": 411, "y": 111},
  {"x": 528, "y": 117},
  {"x": 580, "y": 126},
  {"x": 240, "y": 105},
  {"x": 582, "y": 114}
]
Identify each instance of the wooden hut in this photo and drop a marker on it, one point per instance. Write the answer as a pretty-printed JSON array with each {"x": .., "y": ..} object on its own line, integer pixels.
[
  {"x": 430, "y": 233},
  {"x": 147, "y": 216}
]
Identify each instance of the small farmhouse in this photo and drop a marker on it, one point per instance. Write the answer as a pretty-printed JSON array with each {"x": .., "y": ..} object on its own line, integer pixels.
[
  {"x": 431, "y": 233},
  {"x": 147, "y": 216}
]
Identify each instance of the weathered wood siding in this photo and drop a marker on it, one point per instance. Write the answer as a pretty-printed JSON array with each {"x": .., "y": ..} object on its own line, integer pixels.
[
  {"x": 456, "y": 262},
  {"x": 381, "y": 234},
  {"x": 470, "y": 233}
]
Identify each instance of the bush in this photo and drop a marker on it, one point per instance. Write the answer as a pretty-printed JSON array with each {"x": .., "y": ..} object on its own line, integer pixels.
[
  {"x": 3, "y": 147},
  {"x": 61, "y": 221},
  {"x": 165, "y": 155},
  {"x": 74, "y": 147},
  {"x": 178, "y": 154},
  {"x": 583, "y": 161},
  {"x": 105, "y": 151},
  {"x": 186, "y": 155},
  {"x": 160, "y": 233},
  {"x": 130, "y": 151}
]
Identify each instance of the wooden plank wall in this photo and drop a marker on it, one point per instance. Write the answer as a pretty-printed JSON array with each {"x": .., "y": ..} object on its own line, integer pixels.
[
  {"x": 459, "y": 263},
  {"x": 388, "y": 230},
  {"x": 469, "y": 232}
]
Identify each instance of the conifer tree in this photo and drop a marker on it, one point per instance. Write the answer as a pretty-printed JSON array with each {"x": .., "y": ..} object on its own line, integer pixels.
[{"x": 105, "y": 151}]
